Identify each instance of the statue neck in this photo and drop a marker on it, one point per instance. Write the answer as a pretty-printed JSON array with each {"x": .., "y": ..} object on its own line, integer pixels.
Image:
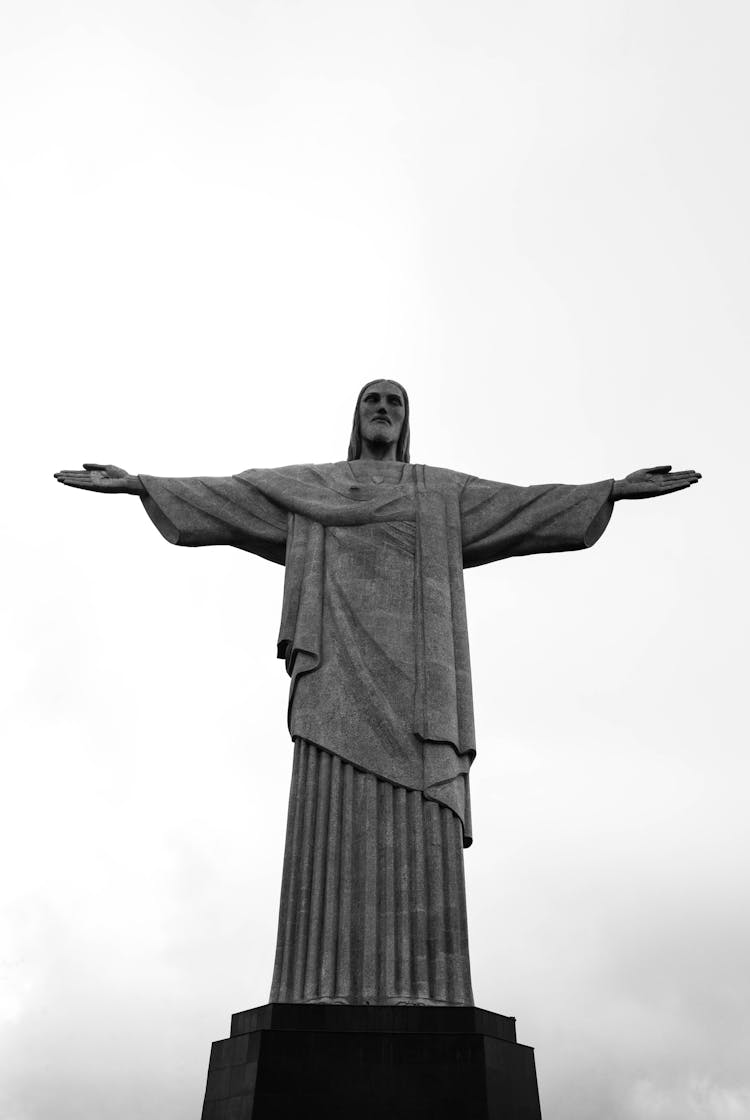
[{"x": 380, "y": 452}]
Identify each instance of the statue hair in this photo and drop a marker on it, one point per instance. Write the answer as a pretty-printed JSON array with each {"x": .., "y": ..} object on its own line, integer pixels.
[{"x": 355, "y": 442}]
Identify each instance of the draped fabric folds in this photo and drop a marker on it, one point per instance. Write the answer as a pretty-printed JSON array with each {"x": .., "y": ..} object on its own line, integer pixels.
[
  {"x": 373, "y": 905},
  {"x": 353, "y": 545}
]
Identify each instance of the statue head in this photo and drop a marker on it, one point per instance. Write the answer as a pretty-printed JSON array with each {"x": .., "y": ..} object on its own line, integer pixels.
[{"x": 382, "y": 411}]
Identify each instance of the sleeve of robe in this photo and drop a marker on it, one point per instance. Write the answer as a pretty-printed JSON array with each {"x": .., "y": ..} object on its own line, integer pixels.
[
  {"x": 499, "y": 520},
  {"x": 202, "y": 511}
]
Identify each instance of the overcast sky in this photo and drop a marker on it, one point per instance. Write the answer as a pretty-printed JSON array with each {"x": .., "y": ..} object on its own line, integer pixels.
[{"x": 218, "y": 221}]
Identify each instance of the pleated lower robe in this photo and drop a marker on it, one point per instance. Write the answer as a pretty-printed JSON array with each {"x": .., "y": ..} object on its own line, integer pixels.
[{"x": 373, "y": 901}]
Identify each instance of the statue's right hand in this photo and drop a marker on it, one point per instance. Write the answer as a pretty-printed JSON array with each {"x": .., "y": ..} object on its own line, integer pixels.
[{"x": 104, "y": 479}]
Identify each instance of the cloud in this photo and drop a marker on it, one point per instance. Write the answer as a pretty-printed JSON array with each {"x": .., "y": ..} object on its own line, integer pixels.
[{"x": 699, "y": 1098}]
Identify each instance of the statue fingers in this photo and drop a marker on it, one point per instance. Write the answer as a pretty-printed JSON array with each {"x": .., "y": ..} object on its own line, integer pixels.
[
  {"x": 677, "y": 479},
  {"x": 83, "y": 483},
  {"x": 68, "y": 477},
  {"x": 678, "y": 484}
]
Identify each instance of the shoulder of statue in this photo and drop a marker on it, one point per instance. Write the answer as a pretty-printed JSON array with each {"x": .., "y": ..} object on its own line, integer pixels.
[
  {"x": 305, "y": 472},
  {"x": 443, "y": 478}
]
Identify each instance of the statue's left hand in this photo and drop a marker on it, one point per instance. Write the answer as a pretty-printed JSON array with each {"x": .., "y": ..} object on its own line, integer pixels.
[{"x": 652, "y": 482}]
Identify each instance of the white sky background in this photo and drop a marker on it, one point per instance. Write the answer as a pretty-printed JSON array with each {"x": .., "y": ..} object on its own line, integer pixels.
[{"x": 218, "y": 221}]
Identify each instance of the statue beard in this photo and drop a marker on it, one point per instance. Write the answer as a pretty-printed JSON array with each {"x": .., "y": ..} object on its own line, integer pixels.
[{"x": 382, "y": 434}]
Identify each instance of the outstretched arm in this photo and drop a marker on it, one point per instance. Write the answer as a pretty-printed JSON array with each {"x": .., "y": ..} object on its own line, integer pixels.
[
  {"x": 196, "y": 511},
  {"x": 500, "y": 520},
  {"x": 652, "y": 482},
  {"x": 103, "y": 479}
]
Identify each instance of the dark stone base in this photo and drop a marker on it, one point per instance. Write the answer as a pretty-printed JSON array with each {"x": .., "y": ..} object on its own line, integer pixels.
[{"x": 289, "y": 1060}]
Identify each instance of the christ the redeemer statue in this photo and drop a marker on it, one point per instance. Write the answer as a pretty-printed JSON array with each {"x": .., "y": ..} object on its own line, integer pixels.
[{"x": 373, "y": 633}]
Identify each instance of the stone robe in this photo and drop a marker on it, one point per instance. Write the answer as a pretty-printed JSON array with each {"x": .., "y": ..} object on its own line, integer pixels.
[{"x": 373, "y": 633}]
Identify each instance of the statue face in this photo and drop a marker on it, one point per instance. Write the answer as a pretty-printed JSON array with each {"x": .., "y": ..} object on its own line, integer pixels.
[{"x": 381, "y": 413}]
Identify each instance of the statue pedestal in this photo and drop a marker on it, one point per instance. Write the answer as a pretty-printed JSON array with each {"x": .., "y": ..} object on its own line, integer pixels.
[{"x": 288, "y": 1060}]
